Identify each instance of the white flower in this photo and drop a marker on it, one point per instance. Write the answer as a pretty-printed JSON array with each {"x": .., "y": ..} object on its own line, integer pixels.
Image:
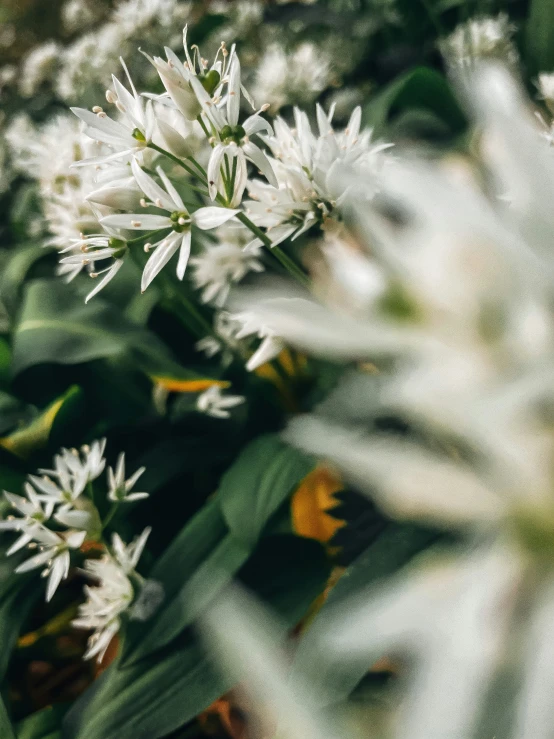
[
  {"x": 34, "y": 511},
  {"x": 213, "y": 403},
  {"x": 104, "y": 605},
  {"x": 271, "y": 345},
  {"x": 89, "y": 249},
  {"x": 288, "y": 78},
  {"x": 179, "y": 220},
  {"x": 219, "y": 266},
  {"x": 225, "y": 328},
  {"x": 106, "y": 602},
  {"x": 37, "y": 67},
  {"x": 227, "y": 172},
  {"x": 481, "y": 38},
  {"x": 120, "y": 488},
  {"x": 54, "y": 553},
  {"x": 307, "y": 170},
  {"x": 124, "y": 138}
]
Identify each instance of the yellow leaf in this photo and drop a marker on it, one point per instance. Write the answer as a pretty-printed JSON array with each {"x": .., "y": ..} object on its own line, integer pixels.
[
  {"x": 312, "y": 502},
  {"x": 188, "y": 386}
]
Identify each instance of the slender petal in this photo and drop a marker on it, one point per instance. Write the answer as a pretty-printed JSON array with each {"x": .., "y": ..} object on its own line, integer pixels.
[
  {"x": 212, "y": 217},
  {"x": 161, "y": 256},
  {"x": 184, "y": 254}
]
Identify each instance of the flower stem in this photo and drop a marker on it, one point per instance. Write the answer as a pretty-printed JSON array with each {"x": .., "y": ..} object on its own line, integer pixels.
[
  {"x": 111, "y": 514},
  {"x": 178, "y": 161},
  {"x": 296, "y": 271}
]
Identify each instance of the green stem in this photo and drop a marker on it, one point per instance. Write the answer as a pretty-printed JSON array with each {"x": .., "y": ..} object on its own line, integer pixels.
[
  {"x": 175, "y": 159},
  {"x": 147, "y": 237},
  {"x": 199, "y": 167},
  {"x": 111, "y": 514},
  {"x": 279, "y": 254},
  {"x": 201, "y": 122},
  {"x": 90, "y": 491}
]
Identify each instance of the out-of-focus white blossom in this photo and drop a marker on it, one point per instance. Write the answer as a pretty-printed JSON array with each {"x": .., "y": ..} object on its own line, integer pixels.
[
  {"x": 222, "y": 264},
  {"x": 109, "y": 599},
  {"x": 481, "y": 39},
  {"x": 214, "y": 403},
  {"x": 284, "y": 78},
  {"x": 37, "y": 67}
]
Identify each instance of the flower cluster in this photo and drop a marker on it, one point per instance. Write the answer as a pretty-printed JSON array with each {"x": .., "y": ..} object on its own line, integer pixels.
[
  {"x": 457, "y": 328},
  {"x": 57, "y": 514}
]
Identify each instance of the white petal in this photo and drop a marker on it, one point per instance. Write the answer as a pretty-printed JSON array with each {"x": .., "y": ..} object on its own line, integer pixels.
[
  {"x": 161, "y": 256},
  {"x": 212, "y": 217},
  {"x": 214, "y": 170},
  {"x": 268, "y": 349},
  {"x": 255, "y": 124},
  {"x": 117, "y": 265},
  {"x": 173, "y": 194},
  {"x": 137, "y": 221},
  {"x": 151, "y": 188},
  {"x": 256, "y": 155},
  {"x": 184, "y": 254},
  {"x": 233, "y": 94},
  {"x": 60, "y": 568}
]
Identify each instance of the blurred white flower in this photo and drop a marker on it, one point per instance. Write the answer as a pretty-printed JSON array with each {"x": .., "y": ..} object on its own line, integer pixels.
[
  {"x": 222, "y": 264},
  {"x": 113, "y": 595},
  {"x": 285, "y": 78},
  {"x": 54, "y": 555},
  {"x": 481, "y": 38},
  {"x": 212, "y": 402},
  {"x": 37, "y": 67}
]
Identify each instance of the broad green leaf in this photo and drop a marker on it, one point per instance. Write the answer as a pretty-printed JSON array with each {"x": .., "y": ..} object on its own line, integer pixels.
[
  {"x": 420, "y": 88},
  {"x": 57, "y": 327},
  {"x": 152, "y": 698},
  {"x": 540, "y": 36},
  {"x": 203, "y": 585},
  {"x": 173, "y": 570},
  {"x": 264, "y": 475},
  {"x": 6, "y": 728},
  {"x": 25, "y": 441}
]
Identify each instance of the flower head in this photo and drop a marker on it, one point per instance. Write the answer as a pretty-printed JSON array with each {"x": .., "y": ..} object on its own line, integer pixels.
[
  {"x": 178, "y": 221},
  {"x": 119, "y": 487}
]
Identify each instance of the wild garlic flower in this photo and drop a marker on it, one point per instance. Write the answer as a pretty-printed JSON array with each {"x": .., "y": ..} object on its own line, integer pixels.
[
  {"x": 178, "y": 220},
  {"x": 107, "y": 601},
  {"x": 481, "y": 39},
  {"x": 220, "y": 265},
  {"x": 227, "y": 170},
  {"x": 37, "y": 67},
  {"x": 214, "y": 403},
  {"x": 269, "y": 348},
  {"x": 290, "y": 78},
  {"x": 125, "y": 137},
  {"x": 224, "y": 341},
  {"x": 53, "y": 555},
  {"x": 120, "y": 488},
  {"x": 306, "y": 169},
  {"x": 34, "y": 511},
  {"x": 60, "y": 498}
]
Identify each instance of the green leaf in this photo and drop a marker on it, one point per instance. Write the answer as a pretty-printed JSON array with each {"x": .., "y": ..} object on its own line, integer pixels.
[
  {"x": 35, "y": 435},
  {"x": 15, "y": 271},
  {"x": 540, "y": 36},
  {"x": 154, "y": 697},
  {"x": 56, "y": 326},
  {"x": 264, "y": 475},
  {"x": 45, "y": 724},
  {"x": 6, "y": 728},
  {"x": 421, "y": 88}
]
